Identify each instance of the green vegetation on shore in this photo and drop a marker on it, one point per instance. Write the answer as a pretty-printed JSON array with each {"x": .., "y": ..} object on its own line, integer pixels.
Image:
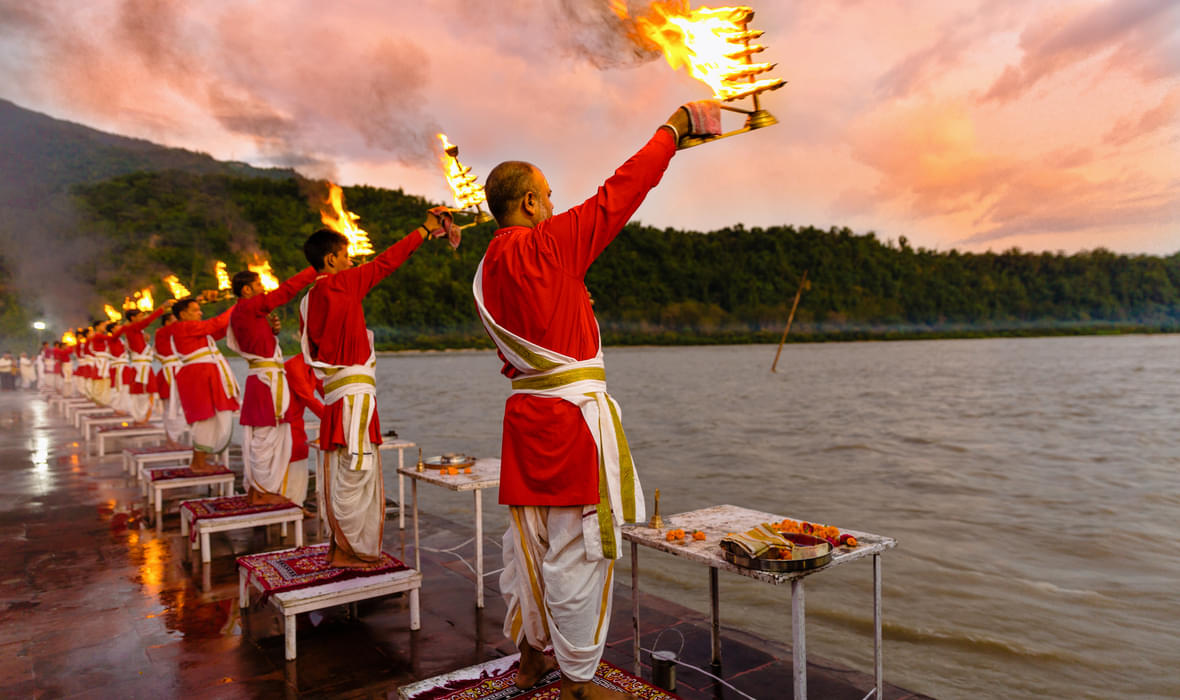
[{"x": 651, "y": 286}]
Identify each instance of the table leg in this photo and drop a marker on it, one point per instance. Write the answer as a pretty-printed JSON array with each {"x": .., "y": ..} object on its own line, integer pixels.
[
  {"x": 242, "y": 601},
  {"x": 417, "y": 558},
  {"x": 635, "y": 605},
  {"x": 798, "y": 639},
  {"x": 415, "y": 615},
  {"x": 159, "y": 502},
  {"x": 715, "y": 605},
  {"x": 206, "y": 555},
  {"x": 102, "y": 445},
  {"x": 298, "y": 527},
  {"x": 401, "y": 489},
  {"x": 878, "y": 673},
  {"x": 289, "y": 633},
  {"x": 478, "y": 548}
]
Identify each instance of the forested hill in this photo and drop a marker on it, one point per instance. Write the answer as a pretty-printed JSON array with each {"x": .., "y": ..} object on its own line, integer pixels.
[
  {"x": 650, "y": 285},
  {"x": 41, "y": 159}
]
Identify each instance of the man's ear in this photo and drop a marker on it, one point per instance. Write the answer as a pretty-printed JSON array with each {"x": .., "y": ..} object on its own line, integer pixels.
[{"x": 529, "y": 202}]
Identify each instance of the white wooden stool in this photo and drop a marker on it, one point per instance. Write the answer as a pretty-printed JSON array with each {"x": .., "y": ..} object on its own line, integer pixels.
[{"x": 203, "y": 527}]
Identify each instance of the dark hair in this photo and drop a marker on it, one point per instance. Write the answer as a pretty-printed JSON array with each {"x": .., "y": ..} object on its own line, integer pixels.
[
  {"x": 130, "y": 314},
  {"x": 242, "y": 280},
  {"x": 321, "y": 244},
  {"x": 507, "y": 183},
  {"x": 182, "y": 305}
]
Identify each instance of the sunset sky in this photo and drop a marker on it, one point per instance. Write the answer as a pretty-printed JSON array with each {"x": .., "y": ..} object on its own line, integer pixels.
[{"x": 957, "y": 124}]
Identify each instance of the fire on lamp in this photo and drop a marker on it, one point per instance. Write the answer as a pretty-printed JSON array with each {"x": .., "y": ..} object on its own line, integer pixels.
[
  {"x": 340, "y": 220},
  {"x": 223, "y": 284},
  {"x": 265, "y": 274},
  {"x": 144, "y": 301},
  {"x": 178, "y": 290},
  {"x": 468, "y": 192},
  {"x": 68, "y": 338},
  {"x": 714, "y": 44},
  {"x": 111, "y": 313}
]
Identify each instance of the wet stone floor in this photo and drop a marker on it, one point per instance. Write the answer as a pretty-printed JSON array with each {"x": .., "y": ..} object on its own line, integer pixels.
[{"x": 97, "y": 602}]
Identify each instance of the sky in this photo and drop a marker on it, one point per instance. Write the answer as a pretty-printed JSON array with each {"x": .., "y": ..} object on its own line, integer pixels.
[{"x": 972, "y": 125}]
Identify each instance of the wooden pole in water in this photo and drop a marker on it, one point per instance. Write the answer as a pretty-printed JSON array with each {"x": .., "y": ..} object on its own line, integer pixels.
[{"x": 791, "y": 317}]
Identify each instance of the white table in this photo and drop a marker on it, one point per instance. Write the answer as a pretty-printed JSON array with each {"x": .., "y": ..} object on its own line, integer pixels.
[
  {"x": 300, "y": 600},
  {"x": 91, "y": 410},
  {"x": 90, "y": 424},
  {"x": 144, "y": 432},
  {"x": 157, "y": 487},
  {"x": 716, "y": 522},
  {"x": 209, "y": 525},
  {"x": 59, "y": 402},
  {"x": 136, "y": 458},
  {"x": 485, "y": 474},
  {"x": 68, "y": 406}
]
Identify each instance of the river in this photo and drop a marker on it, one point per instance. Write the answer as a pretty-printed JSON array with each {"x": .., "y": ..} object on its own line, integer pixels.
[{"x": 1031, "y": 484}]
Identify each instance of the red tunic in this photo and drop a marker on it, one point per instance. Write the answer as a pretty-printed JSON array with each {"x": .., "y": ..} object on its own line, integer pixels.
[
  {"x": 62, "y": 356},
  {"x": 201, "y": 392},
  {"x": 303, "y": 395},
  {"x": 137, "y": 343},
  {"x": 533, "y": 285},
  {"x": 252, "y": 331},
  {"x": 336, "y": 331}
]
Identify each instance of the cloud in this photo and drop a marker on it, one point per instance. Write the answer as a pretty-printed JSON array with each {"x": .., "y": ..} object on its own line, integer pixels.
[
  {"x": 1151, "y": 121},
  {"x": 1139, "y": 33}
]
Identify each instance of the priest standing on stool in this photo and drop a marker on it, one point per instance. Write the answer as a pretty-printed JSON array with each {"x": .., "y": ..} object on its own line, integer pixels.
[
  {"x": 266, "y": 435},
  {"x": 206, "y": 384},
  {"x": 338, "y": 345},
  {"x": 566, "y": 471}
]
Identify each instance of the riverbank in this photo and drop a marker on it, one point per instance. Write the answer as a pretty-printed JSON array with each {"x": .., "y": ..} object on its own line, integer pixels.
[{"x": 97, "y": 604}]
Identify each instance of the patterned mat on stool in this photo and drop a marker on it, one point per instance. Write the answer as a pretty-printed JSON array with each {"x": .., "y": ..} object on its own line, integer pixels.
[
  {"x": 307, "y": 566},
  {"x": 228, "y": 506},
  {"x": 184, "y": 473},
  {"x": 154, "y": 449},
  {"x": 495, "y": 680}
]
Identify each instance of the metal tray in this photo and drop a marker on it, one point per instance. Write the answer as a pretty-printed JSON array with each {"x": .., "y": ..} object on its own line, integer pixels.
[
  {"x": 438, "y": 461},
  {"x": 783, "y": 565}
]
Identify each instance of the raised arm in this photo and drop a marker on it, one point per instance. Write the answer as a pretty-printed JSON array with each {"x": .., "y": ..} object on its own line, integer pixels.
[
  {"x": 287, "y": 290},
  {"x": 147, "y": 321}
]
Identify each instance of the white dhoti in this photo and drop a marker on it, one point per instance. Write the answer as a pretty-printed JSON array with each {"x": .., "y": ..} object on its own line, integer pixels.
[
  {"x": 212, "y": 435},
  {"x": 355, "y": 503},
  {"x": 554, "y": 593},
  {"x": 139, "y": 406},
  {"x": 295, "y": 489},
  {"x": 175, "y": 424},
  {"x": 354, "y": 489},
  {"x": 266, "y": 456}
]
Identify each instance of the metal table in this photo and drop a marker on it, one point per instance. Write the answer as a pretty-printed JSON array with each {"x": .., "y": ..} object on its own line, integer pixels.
[
  {"x": 485, "y": 474},
  {"x": 716, "y": 522}
]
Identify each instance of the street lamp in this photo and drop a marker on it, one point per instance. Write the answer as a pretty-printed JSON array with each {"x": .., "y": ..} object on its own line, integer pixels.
[{"x": 39, "y": 326}]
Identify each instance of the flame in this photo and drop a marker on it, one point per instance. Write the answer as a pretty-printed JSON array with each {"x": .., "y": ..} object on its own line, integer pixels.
[
  {"x": 128, "y": 303},
  {"x": 468, "y": 192},
  {"x": 68, "y": 338},
  {"x": 339, "y": 219},
  {"x": 713, "y": 44},
  {"x": 111, "y": 313},
  {"x": 265, "y": 274},
  {"x": 144, "y": 301},
  {"x": 222, "y": 276},
  {"x": 179, "y": 291}
]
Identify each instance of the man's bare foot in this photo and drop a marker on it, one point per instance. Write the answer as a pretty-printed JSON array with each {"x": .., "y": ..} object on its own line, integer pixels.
[
  {"x": 534, "y": 665},
  {"x": 589, "y": 690},
  {"x": 343, "y": 561},
  {"x": 261, "y": 498},
  {"x": 200, "y": 464}
]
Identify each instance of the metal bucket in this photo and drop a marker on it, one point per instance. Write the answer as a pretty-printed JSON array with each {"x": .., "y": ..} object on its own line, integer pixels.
[{"x": 663, "y": 669}]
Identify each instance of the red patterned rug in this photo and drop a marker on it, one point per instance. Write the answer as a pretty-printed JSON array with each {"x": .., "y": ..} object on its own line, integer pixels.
[
  {"x": 496, "y": 681},
  {"x": 183, "y": 473},
  {"x": 307, "y": 566},
  {"x": 228, "y": 507}
]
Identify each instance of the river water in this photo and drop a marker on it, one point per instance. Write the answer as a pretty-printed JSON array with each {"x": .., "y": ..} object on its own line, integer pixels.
[{"x": 1032, "y": 486}]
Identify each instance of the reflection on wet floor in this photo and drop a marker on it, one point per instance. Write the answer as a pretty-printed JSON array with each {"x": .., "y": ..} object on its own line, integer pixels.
[{"x": 96, "y": 604}]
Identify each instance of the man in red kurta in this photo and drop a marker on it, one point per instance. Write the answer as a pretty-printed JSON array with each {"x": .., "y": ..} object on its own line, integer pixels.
[
  {"x": 266, "y": 436},
  {"x": 137, "y": 374},
  {"x": 206, "y": 384},
  {"x": 175, "y": 424},
  {"x": 304, "y": 386},
  {"x": 338, "y": 345},
  {"x": 566, "y": 471}
]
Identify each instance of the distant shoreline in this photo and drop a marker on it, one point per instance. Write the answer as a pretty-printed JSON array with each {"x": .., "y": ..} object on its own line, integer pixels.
[{"x": 466, "y": 343}]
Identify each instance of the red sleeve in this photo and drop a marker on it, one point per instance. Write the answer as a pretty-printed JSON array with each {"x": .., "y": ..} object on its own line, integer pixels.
[
  {"x": 287, "y": 290},
  {"x": 143, "y": 323},
  {"x": 582, "y": 233},
  {"x": 359, "y": 280},
  {"x": 301, "y": 381},
  {"x": 118, "y": 331},
  {"x": 214, "y": 326}
]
